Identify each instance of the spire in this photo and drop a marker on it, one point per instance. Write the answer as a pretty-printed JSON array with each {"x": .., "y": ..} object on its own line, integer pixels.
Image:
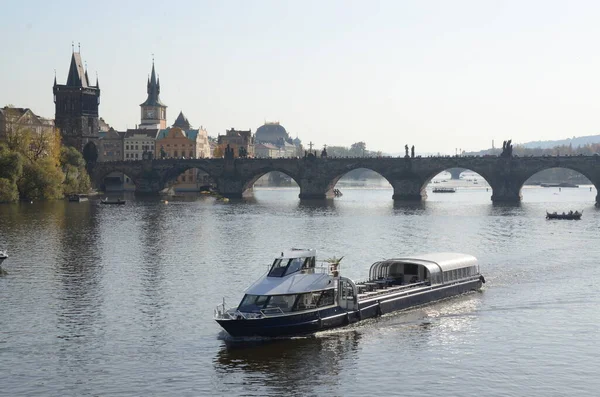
[
  {"x": 77, "y": 74},
  {"x": 87, "y": 79},
  {"x": 54, "y": 77},
  {"x": 153, "y": 89},
  {"x": 97, "y": 84}
]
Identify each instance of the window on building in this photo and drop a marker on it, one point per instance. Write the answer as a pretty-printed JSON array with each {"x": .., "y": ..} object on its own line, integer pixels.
[
  {"x": 191, "y": 154},
  {"x": 136, "y": 155},
  {"x": 126, "y": 155},
  {"x": 136, "y": 147},
  {"x": 175, "y": 153}
]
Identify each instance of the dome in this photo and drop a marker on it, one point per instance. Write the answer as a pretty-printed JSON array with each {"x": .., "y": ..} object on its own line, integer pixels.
[{"x": 270, "y": 133}]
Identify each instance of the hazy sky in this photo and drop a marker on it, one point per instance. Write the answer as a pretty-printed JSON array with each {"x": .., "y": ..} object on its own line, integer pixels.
[{"x": 439, "y": 75}]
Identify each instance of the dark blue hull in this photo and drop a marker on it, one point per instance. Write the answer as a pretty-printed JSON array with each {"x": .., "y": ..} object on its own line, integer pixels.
[
  {"x": 314, "y": 321},
  {"x": 294, "y": 324}
]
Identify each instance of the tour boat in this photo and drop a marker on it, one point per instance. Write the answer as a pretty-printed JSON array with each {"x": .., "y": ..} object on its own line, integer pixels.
[
  {"x": 444, "y": 190},
  {"x": 299, "y": 295}
]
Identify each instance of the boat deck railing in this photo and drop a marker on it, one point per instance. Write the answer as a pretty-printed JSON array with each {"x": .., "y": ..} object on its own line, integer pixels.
[{"x": 383, "y": 290}]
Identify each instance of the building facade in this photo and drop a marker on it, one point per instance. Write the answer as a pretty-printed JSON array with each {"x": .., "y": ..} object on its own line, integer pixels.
[
  {"x": 110, "y": 145},
  {"x": 76, "y": 109},
  {"x": 273, "y": 133},
  {"x": 139, "y": 142},
  {"x": 153, "y": 111},
  {"x": 13, "y": 120},
  {"x": 240, "y": 141}
]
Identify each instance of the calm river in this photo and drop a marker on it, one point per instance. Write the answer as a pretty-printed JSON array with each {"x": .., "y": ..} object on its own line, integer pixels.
[{"x": 118, "y": 300}]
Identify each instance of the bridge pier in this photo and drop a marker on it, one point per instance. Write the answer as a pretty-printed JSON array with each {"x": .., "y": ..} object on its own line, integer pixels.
[
  {"x": 509, "y": 191},
  {"x": 230, "y": 188},
  {"x": 148, "y": 184},
  {"x": 313, "y": 190},
  {"x": 455, "y": 172},
  {"x": 409, "y": 190}
]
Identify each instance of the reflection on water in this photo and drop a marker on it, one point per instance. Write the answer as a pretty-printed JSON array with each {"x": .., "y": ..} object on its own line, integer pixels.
[
  {"x": 296, "y": 366},
  {"x": 118, "y": 300}
]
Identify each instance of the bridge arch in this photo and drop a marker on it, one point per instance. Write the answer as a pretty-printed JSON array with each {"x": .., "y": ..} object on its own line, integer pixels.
[
  {"x": 185, "y": 173},
  {"x": 101, "y": 174},
  {"x": 251, "y": 179},
  {"x": 371, "y": 173},
  {"x": 579, "y": 170},
  {"x": 453, "y": 171},
  {"x": 333, "y": 179}
]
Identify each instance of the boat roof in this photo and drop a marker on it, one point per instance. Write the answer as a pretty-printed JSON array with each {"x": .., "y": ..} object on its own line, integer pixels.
[
  {"x": 296, "y": 283},
  {"x": 298, "y": 253},
  {"x": 443, "y": 260}
]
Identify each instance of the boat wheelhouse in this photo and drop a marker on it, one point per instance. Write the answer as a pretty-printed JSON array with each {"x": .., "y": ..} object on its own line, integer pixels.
[
  {"x": 300, "y": 295},
  {"x": 3, "y": 256}
]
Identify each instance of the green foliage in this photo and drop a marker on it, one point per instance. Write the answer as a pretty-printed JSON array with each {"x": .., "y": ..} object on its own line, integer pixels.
[
  {"x": 8, "y": 191},
  {"x": 11, "y": 164},
  {"x": 37, "y": 167},
  {"x": 41, "y": 180},
  {"x": 76, "y": 179}
]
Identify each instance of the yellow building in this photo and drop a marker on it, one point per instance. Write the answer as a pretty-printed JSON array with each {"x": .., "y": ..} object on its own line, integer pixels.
[{"x": 175, "y": 142}]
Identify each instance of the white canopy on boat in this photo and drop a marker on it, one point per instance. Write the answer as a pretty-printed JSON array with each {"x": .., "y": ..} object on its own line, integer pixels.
[
  {"x": 298, "y": 253},
  {"x": 435, "y": 263},
  {"x": 294, "y": 284}
]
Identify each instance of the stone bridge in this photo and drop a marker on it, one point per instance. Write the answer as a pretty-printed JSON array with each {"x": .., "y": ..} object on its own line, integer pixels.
[{"x": 318, "y": 176}]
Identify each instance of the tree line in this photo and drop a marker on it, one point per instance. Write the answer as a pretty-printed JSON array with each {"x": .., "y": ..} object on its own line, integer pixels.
[{"x": 35, "y": 166}]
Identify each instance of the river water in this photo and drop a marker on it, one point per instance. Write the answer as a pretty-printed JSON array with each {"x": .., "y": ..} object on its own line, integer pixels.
[{"x": 118, "y": 300}]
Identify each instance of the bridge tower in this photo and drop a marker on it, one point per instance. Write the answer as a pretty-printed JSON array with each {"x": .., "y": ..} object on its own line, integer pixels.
[{"x": 76, "y": 109}]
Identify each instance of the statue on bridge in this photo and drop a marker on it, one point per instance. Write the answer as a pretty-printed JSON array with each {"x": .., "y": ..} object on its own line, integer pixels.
[
  {"x": 324, "y": 152},
  {"x": 507, "y": 149},
  {"x": 406, "y": 150},
  {"x": 228, "y": 153},
  {"x": 412, "y": 151},
  {"x": 163, "y": 154}
]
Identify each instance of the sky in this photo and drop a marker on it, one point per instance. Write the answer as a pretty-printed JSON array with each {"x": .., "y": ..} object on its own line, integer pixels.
[{"x": 440, "y": 75}]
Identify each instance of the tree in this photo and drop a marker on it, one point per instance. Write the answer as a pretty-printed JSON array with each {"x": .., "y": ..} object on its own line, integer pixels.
[
  {"x": 76, "y": 178},
  {"x": 358, "y": 149},
  {"x": 41, "y": 180},
  {"x": 9, "y": 193},
  {"x": 219, "y": 151}
]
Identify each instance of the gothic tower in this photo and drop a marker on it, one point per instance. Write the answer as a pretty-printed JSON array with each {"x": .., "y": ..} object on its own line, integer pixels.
[
  {"x": 76, "y": 112},
  {"x": 154, "y": 112}
]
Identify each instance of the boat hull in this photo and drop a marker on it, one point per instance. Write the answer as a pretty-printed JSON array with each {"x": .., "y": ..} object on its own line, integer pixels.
[
  {"x": 311, "y": 322},
  {"x": 294, "y": 324}
]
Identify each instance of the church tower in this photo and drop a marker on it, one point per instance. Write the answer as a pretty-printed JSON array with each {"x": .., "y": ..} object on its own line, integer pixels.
[
  {"x": 154, "y": 112},
  {"x": 76, "y": 109}
]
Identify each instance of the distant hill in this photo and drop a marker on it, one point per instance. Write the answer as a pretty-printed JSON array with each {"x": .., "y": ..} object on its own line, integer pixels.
[{"x": 575, "y": 142}]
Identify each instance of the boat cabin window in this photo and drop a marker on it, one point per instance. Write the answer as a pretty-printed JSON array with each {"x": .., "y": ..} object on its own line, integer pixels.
[
  {"x": 307, "y": 301},
  {"x": 256, "y": 303},
  {"x": 278, "y": 268},
  {"x": 411, "y": 268},
  {"x": 253, "y": 303},
  {"x": 284, "y": 266},
  {"x": 327, "y": 298},
  {"x": 287, "y": 303},
  {"x": 284, "y": 302}
]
